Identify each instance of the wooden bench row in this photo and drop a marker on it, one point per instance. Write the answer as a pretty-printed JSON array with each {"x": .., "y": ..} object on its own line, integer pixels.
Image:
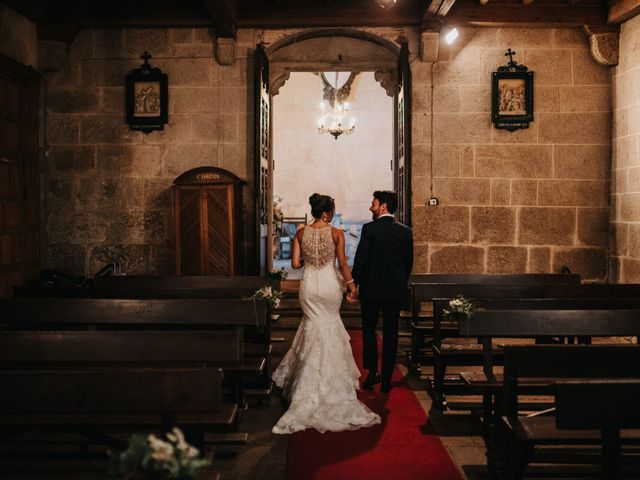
[
  {"x": 596, "y": 391},
  {"x": 502, "y": 297}
]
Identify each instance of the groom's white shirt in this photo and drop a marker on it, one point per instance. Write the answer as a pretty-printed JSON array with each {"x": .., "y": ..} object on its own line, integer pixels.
[{"x": 384, "y": 215}]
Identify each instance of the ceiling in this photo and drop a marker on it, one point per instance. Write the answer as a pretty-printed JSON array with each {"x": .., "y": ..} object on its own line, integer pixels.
[{"x": 226, "y": 16}]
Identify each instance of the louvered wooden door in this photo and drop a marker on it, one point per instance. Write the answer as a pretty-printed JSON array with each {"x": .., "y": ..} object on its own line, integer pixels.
[
  {"x": 205, "y": 240},
  {"x": 19, "y": 206}
]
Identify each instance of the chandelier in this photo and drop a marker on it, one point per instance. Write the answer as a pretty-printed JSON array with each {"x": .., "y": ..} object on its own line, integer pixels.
[{"x": 334, "y": 120}]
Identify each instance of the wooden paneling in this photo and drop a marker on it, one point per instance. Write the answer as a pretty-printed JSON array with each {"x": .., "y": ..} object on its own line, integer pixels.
[{"x": 19, "y": 191}]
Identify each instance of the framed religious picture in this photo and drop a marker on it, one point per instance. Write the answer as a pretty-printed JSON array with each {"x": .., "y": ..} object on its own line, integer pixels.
[
  {"x": 512, "y": 96},
  {"x": 147, "y": 97}
]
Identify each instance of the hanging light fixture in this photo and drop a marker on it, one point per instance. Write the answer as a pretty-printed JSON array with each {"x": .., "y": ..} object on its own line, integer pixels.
[
  {"x": 386, "y": 3},
  {"x": 334, "y": 120}
]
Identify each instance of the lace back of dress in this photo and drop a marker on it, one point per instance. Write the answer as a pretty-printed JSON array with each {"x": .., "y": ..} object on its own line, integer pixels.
[{"x": 318, "y": 248}]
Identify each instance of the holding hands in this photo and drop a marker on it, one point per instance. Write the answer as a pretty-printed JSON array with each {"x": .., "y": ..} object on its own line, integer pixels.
[{"x": 352, "y": 295}]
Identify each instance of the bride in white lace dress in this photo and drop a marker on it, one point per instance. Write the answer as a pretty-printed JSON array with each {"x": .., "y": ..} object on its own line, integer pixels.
[{"x": 318, "y": 375}]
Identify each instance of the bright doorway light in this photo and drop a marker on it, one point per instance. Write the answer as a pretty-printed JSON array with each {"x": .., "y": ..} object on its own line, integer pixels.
[{"x": 451, "y": 35}]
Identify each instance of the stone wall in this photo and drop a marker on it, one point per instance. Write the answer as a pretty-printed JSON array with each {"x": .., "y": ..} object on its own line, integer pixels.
[
  {"x": 625, "y": 184},
  {"x": 108, "y": 189},
  {"x": 532, "y": 200},
  {"x": 528, "y": 201},
  {"x": 18, "y": 37}
]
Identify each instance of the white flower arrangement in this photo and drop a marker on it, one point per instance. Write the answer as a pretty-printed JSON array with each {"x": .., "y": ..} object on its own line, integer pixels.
[
  {"x": 457, "y": 307},
  {"x": 269, "y": 295},
  {"x": 153, "y": 458},
  {"x": 278, "y": 275}
]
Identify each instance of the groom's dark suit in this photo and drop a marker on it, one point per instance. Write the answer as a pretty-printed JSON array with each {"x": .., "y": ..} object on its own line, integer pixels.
[{"x": 381, "y": 269}]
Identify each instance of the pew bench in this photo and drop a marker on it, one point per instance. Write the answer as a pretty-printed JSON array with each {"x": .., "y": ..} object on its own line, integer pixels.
[
  {"x": 150, "y": 314},
  {"x": 163, "y": 307},
  {"x": 423, "y": 288},
  {"x": 446, "y": 354},
  {"x": 113, "y": 398},
  {"x": 596, "y": 389}
]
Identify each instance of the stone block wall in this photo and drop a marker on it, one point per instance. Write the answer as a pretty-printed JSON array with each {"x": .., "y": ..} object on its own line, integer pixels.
[
  {"x": 18, "y": 37},
  {"x": 625, "y": 183},
  {"x": 108, "y": 188},
  {"x": 532, "y": 200}
]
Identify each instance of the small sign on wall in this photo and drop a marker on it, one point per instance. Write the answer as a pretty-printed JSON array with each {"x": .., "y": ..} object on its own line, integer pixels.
[
  {"x": 512, "y": 95},
  {"x": 147, "y": 97}
]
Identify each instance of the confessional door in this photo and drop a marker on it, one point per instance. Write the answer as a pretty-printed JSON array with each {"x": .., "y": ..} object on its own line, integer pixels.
[{"x": 205, "y": 230}]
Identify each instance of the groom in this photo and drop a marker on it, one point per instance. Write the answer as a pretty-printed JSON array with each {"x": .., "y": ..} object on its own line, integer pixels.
[{"x": 381, "y": 268}]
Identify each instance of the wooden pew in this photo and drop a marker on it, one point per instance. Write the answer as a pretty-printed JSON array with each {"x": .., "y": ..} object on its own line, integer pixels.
[
  {"x": 54, "y": 351},
  {"x": 489, "y": 324},
  {"x": 93, "y": 400},
  {"x": 149, "y": 314},
  {"x": 612, "y": 406},
  {"x": 608, "y": 295},
  {"x": 518, "y": 436},
  {"x": 149, "y": 286},
  {"x": 423, "y": 288},
  {"x": 258, "y": 337}
]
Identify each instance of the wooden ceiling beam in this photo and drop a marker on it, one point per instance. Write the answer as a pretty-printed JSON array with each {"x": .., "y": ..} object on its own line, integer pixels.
[
  {"x": 622, "y": 10},
  {"x": 223, "y": 15},
  {"x": 493, "y": 15},
  {"x": 309, "y": 16}
]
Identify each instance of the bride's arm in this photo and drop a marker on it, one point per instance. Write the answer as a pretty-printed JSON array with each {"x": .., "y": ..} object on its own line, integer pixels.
[
  {"x": 342, "y": 261},
  {"x": 296, "y": 261}
]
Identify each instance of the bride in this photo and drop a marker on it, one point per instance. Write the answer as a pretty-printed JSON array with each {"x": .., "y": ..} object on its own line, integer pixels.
[{"x": 318, "y": 375}]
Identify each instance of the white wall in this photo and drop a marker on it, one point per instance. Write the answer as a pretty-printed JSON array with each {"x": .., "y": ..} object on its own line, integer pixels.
[{"x": 350, "y": 168}]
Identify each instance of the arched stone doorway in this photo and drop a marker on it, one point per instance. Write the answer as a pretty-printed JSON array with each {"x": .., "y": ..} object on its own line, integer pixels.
[{"x": 328, "y": 50}]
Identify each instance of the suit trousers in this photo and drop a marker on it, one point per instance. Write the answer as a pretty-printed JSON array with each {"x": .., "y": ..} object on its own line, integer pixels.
[{"x": 390, "y": 313}]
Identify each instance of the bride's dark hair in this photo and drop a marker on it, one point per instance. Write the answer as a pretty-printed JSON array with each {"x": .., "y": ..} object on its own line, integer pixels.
[{"x": 321, "y": 204}]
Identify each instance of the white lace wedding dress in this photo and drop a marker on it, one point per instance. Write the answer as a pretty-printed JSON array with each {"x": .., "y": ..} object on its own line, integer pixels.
[{"x": 318, "y": 375}]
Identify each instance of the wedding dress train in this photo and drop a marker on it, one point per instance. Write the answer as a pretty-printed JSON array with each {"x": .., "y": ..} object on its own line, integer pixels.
[{"x": 318, "y": 375}]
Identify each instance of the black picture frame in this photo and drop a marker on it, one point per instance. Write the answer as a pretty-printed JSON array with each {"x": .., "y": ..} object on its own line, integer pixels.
[
  {"x": 512, "y": 98},
  {"x": 147, "y": 97}
]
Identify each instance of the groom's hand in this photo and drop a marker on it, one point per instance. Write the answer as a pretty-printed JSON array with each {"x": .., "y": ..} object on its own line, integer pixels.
[{"x": 352, "y": 297}]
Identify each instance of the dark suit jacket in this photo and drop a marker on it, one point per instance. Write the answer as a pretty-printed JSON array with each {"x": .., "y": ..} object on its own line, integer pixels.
[{"x": 384, "y": 259}]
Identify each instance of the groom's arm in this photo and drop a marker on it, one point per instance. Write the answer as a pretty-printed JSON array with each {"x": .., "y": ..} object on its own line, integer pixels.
[{"x": 362, "y": 254}]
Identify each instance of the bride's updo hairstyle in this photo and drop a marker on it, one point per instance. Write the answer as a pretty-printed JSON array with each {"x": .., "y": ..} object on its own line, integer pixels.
[{"x": 321, "y": 204}]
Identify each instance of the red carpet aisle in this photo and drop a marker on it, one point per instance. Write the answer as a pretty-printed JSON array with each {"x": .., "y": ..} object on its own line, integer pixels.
[{"x": 401, "y": 448}]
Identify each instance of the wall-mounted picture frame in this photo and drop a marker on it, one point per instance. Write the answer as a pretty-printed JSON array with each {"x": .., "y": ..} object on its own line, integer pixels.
[
  {"x": 147, "y": 97},
  {"x": 512, "y": 96}
]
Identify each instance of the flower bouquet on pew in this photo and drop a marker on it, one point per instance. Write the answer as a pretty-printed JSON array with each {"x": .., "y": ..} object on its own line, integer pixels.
[
  {"x": 277, "y": 275},
  {"x": 151, "y": 458},
  {"x": 269, "y": 295},
  {"x": 459, "y": 307}
]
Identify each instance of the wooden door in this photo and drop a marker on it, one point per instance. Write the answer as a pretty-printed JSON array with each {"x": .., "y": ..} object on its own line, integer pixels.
[
  {"x": 262, "y": 146},
  {"x": 402, "y": 141},
  {"x": 205, "y": 230},
  {"x": 217, "y": 213},
  {"x": 189, "y": 259},
  {"x": 19, "y": 191}
]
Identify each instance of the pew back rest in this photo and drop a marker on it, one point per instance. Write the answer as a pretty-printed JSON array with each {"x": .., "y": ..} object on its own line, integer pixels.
[
  {"x": 535, "y": 323},
  {"x": 599, "y": 404},
  {"x": 23, "y": 313},
  {"x": 151, "y": 287},
  {"x": 565, "y": 361},
  {"x": 117, "y": 347},
  {"x": 612, "y": 303},
  {"x": 110, "y": 390},
  {"x": 495, "y": 279}
]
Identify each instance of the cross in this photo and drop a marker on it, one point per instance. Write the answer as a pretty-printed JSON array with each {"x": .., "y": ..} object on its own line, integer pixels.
[
  {"x": 510, "y": 53},
  {"x": 146, "y": 56}
]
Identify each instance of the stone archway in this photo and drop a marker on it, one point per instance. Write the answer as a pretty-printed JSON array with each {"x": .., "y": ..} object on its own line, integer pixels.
[{"x": 333, "y": 49}]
